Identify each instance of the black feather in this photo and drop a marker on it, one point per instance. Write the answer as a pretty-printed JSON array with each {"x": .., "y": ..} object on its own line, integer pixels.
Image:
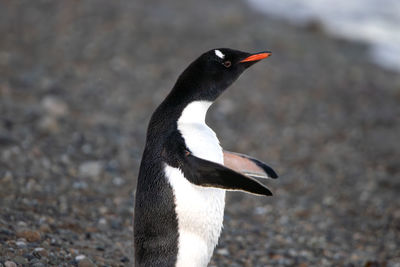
[{"x": 206, "y": 173}]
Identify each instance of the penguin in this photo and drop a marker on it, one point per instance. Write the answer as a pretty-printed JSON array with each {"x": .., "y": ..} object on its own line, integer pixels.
[{"x": 184, "y": 172}]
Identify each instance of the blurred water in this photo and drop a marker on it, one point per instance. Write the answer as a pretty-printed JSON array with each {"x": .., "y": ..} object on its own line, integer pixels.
[{"x": 376, "y": 22}]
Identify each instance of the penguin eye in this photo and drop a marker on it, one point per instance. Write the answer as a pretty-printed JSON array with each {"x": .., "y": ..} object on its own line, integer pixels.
[{"x": 227, "y": 63}]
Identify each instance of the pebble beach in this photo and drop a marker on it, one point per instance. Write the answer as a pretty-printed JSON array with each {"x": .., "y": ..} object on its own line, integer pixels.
[{"x": 80, "y": 80}]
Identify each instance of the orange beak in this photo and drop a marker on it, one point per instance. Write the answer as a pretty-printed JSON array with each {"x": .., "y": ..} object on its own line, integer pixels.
[{"x": 256, "y": 57}]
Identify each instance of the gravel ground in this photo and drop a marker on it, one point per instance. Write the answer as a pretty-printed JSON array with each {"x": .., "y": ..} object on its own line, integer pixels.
[{"x": 80, "y": 79}]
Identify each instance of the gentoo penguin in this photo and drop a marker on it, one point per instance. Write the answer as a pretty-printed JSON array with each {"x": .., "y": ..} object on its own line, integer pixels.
[{"x": 184, "y": 173}]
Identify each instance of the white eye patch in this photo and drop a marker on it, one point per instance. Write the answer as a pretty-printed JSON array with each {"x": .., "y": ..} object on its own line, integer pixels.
[{"x": 219, "y": 54}]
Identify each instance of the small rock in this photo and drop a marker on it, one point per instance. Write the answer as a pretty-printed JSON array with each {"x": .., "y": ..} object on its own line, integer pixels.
[
  {"x": 118, "y": 64},
  {"x": 293, "y": 252},
  {"x": 48, "y": 124},
  {"x": 33, "y": 261},
  {"x": 5, "y": 231},
  {"x": 30, "y": 257},
  {"x": 41, "y": 252},
  {"x": 90, "y": 169},
  {"x": 394, "y": 262},
  {"x": 54, "y": 106},
  {"x": 80, "y": 257},
  {"x": 102, "y": 221},
  {"x": 103, "y": 210},
  {"x": 19, "y": 260},
  {"x": 261, "y": 210},
  {"x": 88, "y": 235},
  {"x": 45, "y": 228},
  {"x": 118, "y": 181},
  {"x": 87, "y": 148},
  {"x": 10, "y": 264},
  {"x": 372, "y": 264},
  {"x": 55, "y": 242},
  {"x": 7, "y": 177},
  {"x": 85, "y": 263},
  {"x": 65, "y": 159},
  {"x": 7, "y": 141},
  {"x": 21, "y": 224},
  {"x": 223, "y": 252},
  {"x": 73, "y": 251},
  {"x": 124, "y": 259},
  {"x": 328, "y": 201},
  {"x": 79, "y": 185},
  {"x": 116, "y": 224},
  {"x": 275, "y": 256},
  {"x": 21, "y": 244},
  {"x": 29, "y": 235}
]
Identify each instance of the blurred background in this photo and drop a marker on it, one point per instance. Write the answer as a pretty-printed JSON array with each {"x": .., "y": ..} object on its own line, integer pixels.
[{"x": 80, "y": 79}]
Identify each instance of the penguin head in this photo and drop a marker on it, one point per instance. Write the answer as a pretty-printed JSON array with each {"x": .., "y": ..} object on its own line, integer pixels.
[{"x": 214, "y": 71}]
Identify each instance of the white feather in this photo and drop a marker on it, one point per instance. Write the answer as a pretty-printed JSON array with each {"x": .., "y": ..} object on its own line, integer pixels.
[
  {"x": 199, "y": 138},
  {"x": 200, "y": 210},
  {"x": 219, "y": 54}
]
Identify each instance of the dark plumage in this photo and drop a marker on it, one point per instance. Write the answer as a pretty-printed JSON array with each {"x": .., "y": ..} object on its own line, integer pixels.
[{"x": 156, "y": 232}]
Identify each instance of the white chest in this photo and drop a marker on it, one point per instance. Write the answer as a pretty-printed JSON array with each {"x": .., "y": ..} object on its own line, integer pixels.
[
  {"x": 202, "y": 141},
  {"x": 199, "y": 138},
  {"x": 200, "y": 210}
]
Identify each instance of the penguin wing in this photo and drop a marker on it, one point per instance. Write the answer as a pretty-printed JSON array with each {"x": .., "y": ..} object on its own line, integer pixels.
[
  {"x": 210, "y": 174},
  {"x": 248, "y": 166}
]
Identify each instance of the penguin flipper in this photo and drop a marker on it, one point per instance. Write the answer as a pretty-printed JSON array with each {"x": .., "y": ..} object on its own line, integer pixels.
[
  {"x": 210, "y": 174},
  {"x": 248, "y": 165}
]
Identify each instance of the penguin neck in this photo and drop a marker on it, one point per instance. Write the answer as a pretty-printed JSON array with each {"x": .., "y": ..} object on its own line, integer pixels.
[{"x": 195, "y": 112}]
